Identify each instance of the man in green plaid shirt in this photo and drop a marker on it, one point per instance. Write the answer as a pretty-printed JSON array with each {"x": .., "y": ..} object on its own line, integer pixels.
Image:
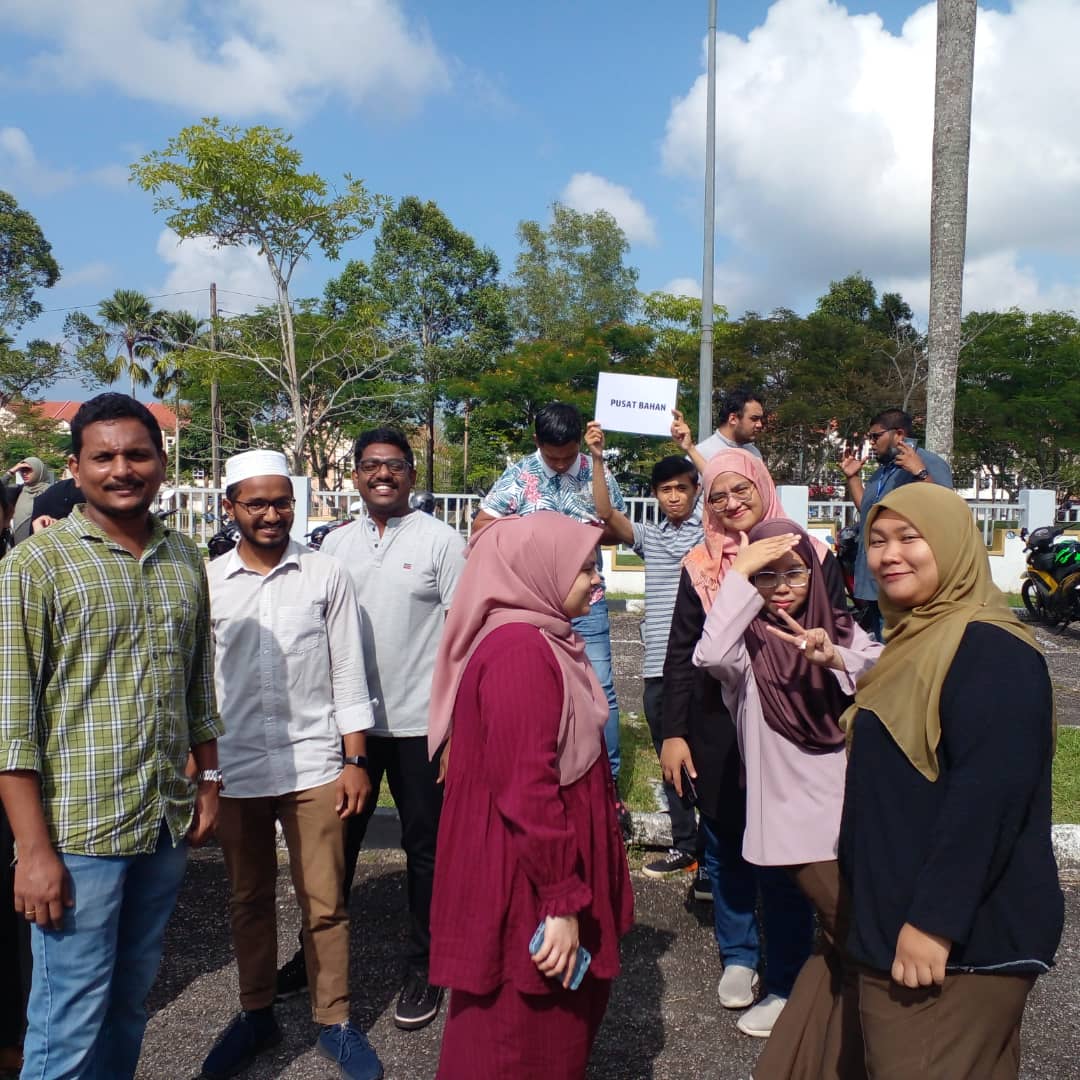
[{"x": 108, "y": 686}]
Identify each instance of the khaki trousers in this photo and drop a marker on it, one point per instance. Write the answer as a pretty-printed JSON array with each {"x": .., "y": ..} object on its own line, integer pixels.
[
  {"x": 315, "y": 837},
  {"x": 966, "y": 1029}
]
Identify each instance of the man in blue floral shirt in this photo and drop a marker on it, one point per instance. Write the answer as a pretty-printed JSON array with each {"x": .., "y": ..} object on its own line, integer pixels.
[{"x": 559, "y": 477}]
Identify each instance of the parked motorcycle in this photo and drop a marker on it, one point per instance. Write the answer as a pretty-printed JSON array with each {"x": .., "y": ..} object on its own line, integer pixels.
[{"x": 1051, "y": 583}]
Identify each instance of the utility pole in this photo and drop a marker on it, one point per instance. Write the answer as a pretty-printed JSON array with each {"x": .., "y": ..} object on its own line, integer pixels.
[
  {"x": 705, "y": 364},
  {"x": 215, "y": 405}
]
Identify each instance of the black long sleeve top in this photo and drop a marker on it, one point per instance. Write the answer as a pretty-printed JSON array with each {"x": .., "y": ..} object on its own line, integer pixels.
[
  {"x": 969, "y": 856},
  {"x": 694, "y": 709}
]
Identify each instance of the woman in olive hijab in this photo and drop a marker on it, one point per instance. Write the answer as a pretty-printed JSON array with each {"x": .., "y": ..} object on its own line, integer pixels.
[
  {"x": 35, "y": 479},
  {"x": 945, "y": 837}
]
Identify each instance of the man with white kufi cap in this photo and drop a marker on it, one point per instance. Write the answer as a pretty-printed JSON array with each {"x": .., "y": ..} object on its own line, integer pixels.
[{"x": 292, "y": 687}]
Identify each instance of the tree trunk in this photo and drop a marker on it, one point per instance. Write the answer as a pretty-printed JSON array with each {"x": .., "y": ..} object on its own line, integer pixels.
[
  {"x": 429, "y": 450},
  {"x": 948, "y": 213}
]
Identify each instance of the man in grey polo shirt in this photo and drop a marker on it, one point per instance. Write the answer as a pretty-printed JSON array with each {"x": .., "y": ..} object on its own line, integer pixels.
[
  {"x": 744, "y": 417},
  {"x": 405, "y": 566}
]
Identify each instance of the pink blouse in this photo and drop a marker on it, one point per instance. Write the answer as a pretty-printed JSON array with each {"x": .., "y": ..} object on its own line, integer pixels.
[{"x": 793, "y": 796}]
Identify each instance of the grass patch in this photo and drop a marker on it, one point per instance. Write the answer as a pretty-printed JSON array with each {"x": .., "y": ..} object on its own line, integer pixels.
[
  {"x": 639, "y": 764},
  {"x": 1067, "y": 777}
]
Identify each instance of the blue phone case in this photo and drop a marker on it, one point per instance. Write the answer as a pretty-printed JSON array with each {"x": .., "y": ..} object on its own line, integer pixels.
[{"x": 581, "y": 963}]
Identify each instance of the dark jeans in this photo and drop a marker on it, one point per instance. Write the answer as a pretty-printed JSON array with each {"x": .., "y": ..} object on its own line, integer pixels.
[
  {"x": 786, "y": 914},
  {"x": 684, "y": 829},
  {"x": 595, "y": 630},
  {"x": 14, "y": 946},
  {"x": 419, "y": 802}
]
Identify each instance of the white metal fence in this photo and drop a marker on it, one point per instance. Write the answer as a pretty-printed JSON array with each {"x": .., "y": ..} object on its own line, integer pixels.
[{"x": 199, "y": 511}]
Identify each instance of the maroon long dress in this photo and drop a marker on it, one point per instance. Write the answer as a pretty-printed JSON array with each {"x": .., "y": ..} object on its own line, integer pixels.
[{"x": 515, "y": 846}]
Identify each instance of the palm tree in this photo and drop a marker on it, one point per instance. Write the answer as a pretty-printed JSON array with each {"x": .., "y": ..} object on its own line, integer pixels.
[
  {"x": 131, "y": 325},
  {"x": 948, "y": 213}
]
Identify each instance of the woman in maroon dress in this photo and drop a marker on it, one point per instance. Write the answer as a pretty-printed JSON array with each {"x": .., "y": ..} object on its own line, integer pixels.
[{"x": 528, "y": 834}]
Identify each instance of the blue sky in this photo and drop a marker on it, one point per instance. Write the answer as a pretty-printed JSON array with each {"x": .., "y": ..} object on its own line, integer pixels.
[{"x": 496, "y": 109}]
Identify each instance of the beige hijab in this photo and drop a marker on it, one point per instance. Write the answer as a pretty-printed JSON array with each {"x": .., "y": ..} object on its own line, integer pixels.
[{"x": 904, "y": 688}]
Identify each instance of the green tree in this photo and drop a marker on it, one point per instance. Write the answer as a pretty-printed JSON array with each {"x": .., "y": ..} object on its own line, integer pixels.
[
  {"x": 245, "y": 187},
  {"x": 1018, "y": 397},
  {"x": 438, "y": 292},
  {"x": 26, "y": 264},
  {"x": 26, "y": 371},
  {"x": 124, "y": 343},
  {"x": 569, "y": 278}
]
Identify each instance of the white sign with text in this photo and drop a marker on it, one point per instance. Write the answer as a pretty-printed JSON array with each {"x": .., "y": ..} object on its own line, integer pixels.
[{"x": 640, "y": 404}]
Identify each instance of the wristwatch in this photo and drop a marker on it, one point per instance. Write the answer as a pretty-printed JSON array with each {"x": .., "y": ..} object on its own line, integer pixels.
[
  {"x": 211, "y": 776},
  {"x": 355, "y": 759},
  {"x": 922, "y": 474}
]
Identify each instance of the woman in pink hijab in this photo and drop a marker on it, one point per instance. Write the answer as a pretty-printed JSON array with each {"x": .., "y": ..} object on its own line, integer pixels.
[
  {"x": 528, "y": 841},
  {"x": 700, "y": 741}
]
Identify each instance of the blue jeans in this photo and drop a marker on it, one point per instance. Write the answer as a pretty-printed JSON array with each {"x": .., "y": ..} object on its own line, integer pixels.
[
  {"x": 595, "y": 628},
  {"x": 87, "y": 1010},
  {"x": 786, "y": 913}
]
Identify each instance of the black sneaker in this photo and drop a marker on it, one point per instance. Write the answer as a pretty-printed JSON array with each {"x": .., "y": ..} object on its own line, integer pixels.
[
  {"x": 249, "y": 1034},
  {"x": 626, "y": 822},
  {"x": 292, "y": 977},
  {"x": 674, "y": 862},
  {"x": 702, "y": 886},
  {"x": 418, "y": 1002}
]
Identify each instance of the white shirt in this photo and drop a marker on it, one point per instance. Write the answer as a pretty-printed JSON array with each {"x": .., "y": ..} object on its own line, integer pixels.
[
  {"x": 717, "y": 442},
  {"x": 289, "y": 671}
]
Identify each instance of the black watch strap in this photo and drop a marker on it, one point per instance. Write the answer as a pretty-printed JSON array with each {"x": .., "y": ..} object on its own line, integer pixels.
[
  {"x": 922, "y": 474},
  {"x": 355, "y": 759}
]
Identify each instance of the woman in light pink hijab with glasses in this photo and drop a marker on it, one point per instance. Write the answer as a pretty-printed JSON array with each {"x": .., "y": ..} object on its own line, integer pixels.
[{"x": 528, "y": 841}]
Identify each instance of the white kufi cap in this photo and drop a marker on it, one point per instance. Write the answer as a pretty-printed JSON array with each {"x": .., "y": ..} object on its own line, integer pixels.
[{"x": 255, "y": 463}]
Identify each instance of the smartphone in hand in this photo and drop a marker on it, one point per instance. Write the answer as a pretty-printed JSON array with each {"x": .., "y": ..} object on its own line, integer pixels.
[
  {"x": 581, "y": 961},
  {"x": 689, "y": 789}
]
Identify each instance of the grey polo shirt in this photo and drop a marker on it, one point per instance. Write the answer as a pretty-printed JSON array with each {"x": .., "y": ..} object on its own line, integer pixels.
[
  {"x": 717, "y": 442},
  {"x": 404, "y": 582}
]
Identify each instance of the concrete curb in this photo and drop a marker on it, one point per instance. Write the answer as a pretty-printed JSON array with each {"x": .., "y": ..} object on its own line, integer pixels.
[{"x": 654, "y": 830}]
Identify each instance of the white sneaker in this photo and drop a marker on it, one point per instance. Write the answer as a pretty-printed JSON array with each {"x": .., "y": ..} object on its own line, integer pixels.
[
  {"x": 759, "y": 1020},
  {"x": 737, "y": 986}
]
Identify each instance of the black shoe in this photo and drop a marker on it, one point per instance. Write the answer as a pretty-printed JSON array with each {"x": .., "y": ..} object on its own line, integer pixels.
[
  {"x": 674, "y": 862},
  {"x": 292, "y": 977},
  {"x": 249, "y": 1034},
  {"x": 703, "y": 886},
  {"x": 418, "y": 1002}
]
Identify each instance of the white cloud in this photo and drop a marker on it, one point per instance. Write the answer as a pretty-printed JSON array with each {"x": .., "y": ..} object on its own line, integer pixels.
[
  {"x": 824, "y": 124},
  {"x": 91, "y": 273},
  {"x": 23, "y": 172},
  {"x": 241, "y": 275},
  {"x": 237, "y": 58},
  {"x": 682, "y": 286},
  {"x": 586, "y": 192}
]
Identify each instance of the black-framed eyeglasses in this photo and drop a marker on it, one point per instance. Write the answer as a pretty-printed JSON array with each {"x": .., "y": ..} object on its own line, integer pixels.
[
  {"x": 743, "y": 494},
  {"x": 768, "y": 580},
  {"x": 371, "y": 465},
  {"x": 258, "y": 507},
  {"x": 873, "y": 436}
]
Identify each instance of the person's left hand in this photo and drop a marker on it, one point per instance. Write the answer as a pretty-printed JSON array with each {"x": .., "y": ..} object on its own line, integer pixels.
[
  {"x": 558, "y": 953},
  {"x": 680, "y": 432},
  {"x": 907, "y": 457},
  {"x": 920, "y": 957},
  {"x": 815, "y": 644},
  {"x": 204, "y": 822},
  {"x": 594, "y": 440},
  {"x": 41, "y": 523},
  {"x": 353, "y": 791}
]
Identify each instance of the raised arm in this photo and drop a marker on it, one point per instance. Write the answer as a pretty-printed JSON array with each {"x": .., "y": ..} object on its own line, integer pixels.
[{"x": 617, "y": 525}]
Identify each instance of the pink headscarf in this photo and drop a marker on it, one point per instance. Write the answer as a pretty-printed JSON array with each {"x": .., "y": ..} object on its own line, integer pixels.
[
  {"x": 519, "y": 570},
  {"x": 708, "y": 562}
]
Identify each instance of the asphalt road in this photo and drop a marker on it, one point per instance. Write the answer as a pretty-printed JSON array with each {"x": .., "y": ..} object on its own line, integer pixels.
[{"x": 664, "y": 1021}]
